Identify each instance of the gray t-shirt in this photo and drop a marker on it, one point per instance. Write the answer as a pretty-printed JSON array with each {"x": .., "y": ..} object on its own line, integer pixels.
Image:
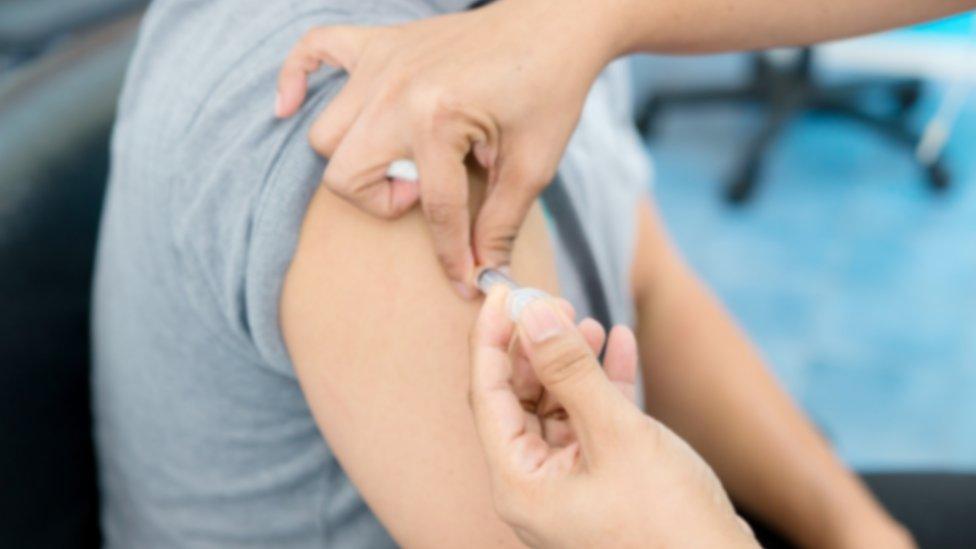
[{"x": 204, "y": 437}]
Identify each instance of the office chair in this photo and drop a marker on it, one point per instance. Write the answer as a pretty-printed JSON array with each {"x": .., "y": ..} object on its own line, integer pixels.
[{"x": 786, "y": 88}]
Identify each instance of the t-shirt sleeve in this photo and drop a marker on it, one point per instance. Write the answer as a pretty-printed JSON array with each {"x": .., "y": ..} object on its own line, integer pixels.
[{"x": 293, "y": 175}]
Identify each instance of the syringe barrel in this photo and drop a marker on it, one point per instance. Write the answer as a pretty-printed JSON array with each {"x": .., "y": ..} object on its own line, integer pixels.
[{"x": 488, "y": 278}]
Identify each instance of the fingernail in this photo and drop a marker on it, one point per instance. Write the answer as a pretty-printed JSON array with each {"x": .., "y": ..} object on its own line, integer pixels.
[
  {"x": 520, "y": 298},
  {"x": 279, "y": 107},
  {"x": 465, "y": 291},
  {"x": 540, "y": 321},
  {"x": 484, "y": 154}
]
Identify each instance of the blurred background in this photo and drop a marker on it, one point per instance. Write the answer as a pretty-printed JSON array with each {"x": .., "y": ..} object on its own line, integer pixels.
[
  {"x": 61, "y": 66},
  {"x": 851, "y": 263},
  {"x": 794, "y": 181}
]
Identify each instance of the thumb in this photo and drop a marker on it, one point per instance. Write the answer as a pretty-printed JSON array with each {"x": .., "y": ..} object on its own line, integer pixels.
[
  {"x": 568, "y": 369},
  {"x": 338, "y": 46},
  {"x": 520, "y": 180}
]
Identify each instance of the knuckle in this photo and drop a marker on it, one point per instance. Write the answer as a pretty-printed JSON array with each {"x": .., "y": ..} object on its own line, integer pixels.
[
  {"x": 397, "y": 81},
  {"x": 312, "y": 37},
  {"x": 321, "y": 140},
  {"x": 564, "y": 359},
  {"x": 498, "y": 241},
  {"x": 432, "y": 101},
  {"x": 394, "y": 84},
  {"x": 439, "y": 113},
  {"x": 337, "y": 183},
  {"x": 442, "y": 105},
  {"x": 529, "y": 174},
  {"x": 451, "y": 264}
]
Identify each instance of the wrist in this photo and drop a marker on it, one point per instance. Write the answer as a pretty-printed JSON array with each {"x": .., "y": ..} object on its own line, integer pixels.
[
  {"x": 610, "y": 28},
  {"x": 586, "y": 34},
  {"x": 620, "y": 27},
  {"x": 604, "y": 26}
]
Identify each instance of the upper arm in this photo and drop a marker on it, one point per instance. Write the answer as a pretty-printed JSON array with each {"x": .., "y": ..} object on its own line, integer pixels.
[
  {"x": 380, "y": 345},
  {"x": 656, "y": 266}
]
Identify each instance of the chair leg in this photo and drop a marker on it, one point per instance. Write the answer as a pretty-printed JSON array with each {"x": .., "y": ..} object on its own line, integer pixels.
[
  {"x": 938, "y": 175},
  {"x": 906, "y": 93},
  {"x": 743, "y": 184},
  {"x": 647, "y": 116}
]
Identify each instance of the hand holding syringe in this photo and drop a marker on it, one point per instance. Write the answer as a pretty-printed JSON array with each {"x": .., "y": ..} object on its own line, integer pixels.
[{"x": 406, "y": 170}]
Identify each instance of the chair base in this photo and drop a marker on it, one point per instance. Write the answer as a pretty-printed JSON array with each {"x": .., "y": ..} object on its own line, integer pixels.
[{"x": 788, "y": 91}]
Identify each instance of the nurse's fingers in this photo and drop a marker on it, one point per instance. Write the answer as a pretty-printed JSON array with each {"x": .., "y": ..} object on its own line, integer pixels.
[
  {"x": 444, "y": 197},
  {"x": 337, "y": 46},
  {"x": 569, "y": 370},
  {"x": 499, "y": 418},
  {"x": 556, "y": 431},
  {"x": 357, "y": 171},
  {"x": 593, "y": 333},
  {"x": 331, "y": 126},
  {"x": 526, "y": 385},
  {"x": 520, "y": 179},
  {"x": 620, "y": 361}
]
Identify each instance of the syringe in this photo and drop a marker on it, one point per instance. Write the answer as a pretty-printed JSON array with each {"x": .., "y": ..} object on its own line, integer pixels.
[
  {"x": 518, "y": 297},
  {"x": 489, "y": 278}
]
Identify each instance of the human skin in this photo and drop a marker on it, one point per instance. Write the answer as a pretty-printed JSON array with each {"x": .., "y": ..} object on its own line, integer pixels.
[
  {"x": 378, "y": 340},
  {"x": 441, "y": 79},
  {"x": 704, "y": 380},
  {"x": 619, "y": 478},
  {"x": 379, "y": 343},
  {"x": 505, "y": 84}
]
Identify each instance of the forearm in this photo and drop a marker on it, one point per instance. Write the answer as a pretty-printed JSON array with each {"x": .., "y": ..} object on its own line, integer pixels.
[
  {"x": 698, "y": 26},
  {"x": 708, "y": 384},
  {"x": 704, "y": 380}
]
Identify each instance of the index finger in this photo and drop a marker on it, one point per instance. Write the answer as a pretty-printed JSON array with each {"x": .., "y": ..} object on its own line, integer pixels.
[
  {"x": 444, "y": 198},
  {"x": 336, "y": 46}
]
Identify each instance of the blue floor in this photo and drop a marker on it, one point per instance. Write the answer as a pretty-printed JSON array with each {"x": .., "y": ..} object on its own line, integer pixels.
[{"x": 858, "y": 283}]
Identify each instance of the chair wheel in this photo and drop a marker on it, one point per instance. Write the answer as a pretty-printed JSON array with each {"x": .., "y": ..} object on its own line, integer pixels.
[
  {"x": 740, "y": 191},
  {"x": 743, "y": 186},
  {"x": 908, "y": 97},
  {"x": 938, "y": 176}
]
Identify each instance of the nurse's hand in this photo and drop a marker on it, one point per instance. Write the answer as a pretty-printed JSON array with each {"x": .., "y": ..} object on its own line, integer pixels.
[
  {"x": 504, "y": 84},
  {"x": 608, "y": 476}
]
